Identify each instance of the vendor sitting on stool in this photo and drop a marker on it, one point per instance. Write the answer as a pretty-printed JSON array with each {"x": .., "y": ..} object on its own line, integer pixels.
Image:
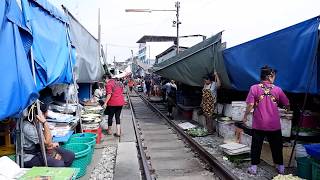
[
  {"x": 56, "y": 156},
  {"x": 264, "y": 98}
]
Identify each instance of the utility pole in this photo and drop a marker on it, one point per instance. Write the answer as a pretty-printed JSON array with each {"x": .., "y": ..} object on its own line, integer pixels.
[
  {"x": 176, "y": 23},
  {"x": 177, "y": 5},
  {"x": 99, "y": 35}
]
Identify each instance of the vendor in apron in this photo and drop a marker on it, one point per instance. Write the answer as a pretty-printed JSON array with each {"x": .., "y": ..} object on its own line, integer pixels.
[
  {"x": 264, "y": 99},
  {"x": 209, "y": 97}
]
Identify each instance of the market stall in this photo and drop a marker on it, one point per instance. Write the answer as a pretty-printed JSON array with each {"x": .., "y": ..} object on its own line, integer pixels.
[
  {"x": 294, "y": 47},
  {"x": 39, "y": 60}
]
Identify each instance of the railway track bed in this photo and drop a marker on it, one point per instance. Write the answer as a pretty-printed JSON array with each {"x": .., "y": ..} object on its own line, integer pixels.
[
  {"x": 167, "y": 155},
  {"x": 171, "y": 156}
]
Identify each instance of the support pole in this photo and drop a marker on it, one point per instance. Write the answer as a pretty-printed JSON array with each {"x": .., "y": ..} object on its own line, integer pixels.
[
  {"x": 303, "y": 108},
  {"x": 19, "y": 143},
  {"x": 38, "y": 125},
  {"x": 99, "y": 35}
]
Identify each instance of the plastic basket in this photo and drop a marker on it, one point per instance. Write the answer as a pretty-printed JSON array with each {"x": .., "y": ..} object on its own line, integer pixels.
[
  {"x": 88, "y": 140},
  {"x": 81, "y": 156},
  {"x": 86, "y": 134},
  {"x": 304, "y": 167},
  {"x": 313, "y": 150},
  {"x": 315, "y": 169}
]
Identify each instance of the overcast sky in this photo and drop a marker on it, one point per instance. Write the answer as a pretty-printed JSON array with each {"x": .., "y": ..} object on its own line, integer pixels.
[{"x": 241, "y": 20}]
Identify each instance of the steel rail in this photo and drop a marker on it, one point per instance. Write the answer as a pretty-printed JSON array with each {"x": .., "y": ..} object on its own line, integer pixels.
[
  {"x": 144, "y": 160},
  {"x": 216, "y": 166}
]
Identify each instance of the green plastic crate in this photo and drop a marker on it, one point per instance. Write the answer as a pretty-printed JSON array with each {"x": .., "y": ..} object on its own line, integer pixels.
[{"x": 81, "y": 160}]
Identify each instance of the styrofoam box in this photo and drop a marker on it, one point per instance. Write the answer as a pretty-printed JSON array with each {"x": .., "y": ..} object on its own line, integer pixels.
[
  {"x": 249, "y": 120},
  {"x": 195, "y": 115},
  {"x": 224, "y": 128},
  {"x": 238, "y": 110},
  {"x": 219, "y": 109},
  {"x": 227, "y": 110},
  {"x": 286, "y": 125},
  {"x": 245, "y": 139}
]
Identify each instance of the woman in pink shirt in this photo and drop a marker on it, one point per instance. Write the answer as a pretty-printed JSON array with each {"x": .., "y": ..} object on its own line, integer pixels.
[
  {"x": 264, "y": 99},
  {"x": 114, "y": 103}
]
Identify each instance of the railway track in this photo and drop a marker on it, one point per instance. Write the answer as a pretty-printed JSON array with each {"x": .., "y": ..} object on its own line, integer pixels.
[{"x": 166, "y": 151}]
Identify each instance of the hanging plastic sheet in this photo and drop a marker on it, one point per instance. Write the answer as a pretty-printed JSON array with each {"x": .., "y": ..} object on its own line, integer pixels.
[
  {"x": 88, "y": 67},
  {"x": 192, "y": 65},
  {"x": 17, "y": 86},
  {"x": 291, "y": 51},
  {"x": 51, "y": 46}
]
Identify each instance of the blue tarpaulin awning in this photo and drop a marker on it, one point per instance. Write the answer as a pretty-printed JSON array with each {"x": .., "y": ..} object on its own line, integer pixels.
[
  {"x": 17, "y": 87},
  {"x": 291, "y": 51},
  {"x": 51, "y": 45}
]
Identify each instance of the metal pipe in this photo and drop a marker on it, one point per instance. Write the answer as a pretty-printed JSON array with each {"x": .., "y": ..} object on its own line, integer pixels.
[{"x": 303, "y": 107}]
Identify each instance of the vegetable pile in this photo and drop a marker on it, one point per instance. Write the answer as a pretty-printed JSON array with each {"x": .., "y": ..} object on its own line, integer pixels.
[
  {"x": 197, "y": 132},
  {"x": 286, "y": 177}
]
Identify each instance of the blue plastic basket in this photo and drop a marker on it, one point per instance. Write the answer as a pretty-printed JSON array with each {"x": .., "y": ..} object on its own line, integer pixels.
[{"x": 313, "y": 150}]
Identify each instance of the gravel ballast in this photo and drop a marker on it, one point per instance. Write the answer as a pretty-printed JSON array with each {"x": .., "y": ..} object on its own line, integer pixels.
[
  {"x": 105, "y": 168},
  {"x": 211, "y": 144}
]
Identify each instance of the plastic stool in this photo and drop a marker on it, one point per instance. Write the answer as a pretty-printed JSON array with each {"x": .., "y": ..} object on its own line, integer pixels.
[{"x": 95, "y": 131}]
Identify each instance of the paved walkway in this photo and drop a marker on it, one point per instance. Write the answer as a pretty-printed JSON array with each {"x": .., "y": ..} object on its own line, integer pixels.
[{"x": 127, "y": 164}]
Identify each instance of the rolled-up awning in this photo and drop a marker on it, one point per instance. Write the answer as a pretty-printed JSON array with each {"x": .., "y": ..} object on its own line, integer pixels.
[
  {"x": 191, "y": 65},
  {"x": 88, "y": 67}
]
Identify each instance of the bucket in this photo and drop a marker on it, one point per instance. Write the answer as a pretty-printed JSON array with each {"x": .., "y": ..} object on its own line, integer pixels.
[
  {"x": 85, "y": 135},
  {"x": 304, "y": 167},
  {"x": 85, "y": 140},
  {"x": 81, "y": 152}
]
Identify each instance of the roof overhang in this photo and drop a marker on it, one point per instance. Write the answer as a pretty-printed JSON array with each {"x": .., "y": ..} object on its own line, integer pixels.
[{"x": 148, "y": 38}]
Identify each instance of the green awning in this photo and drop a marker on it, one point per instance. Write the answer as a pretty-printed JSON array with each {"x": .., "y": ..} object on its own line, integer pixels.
[{"x": 191, "y": 65}]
